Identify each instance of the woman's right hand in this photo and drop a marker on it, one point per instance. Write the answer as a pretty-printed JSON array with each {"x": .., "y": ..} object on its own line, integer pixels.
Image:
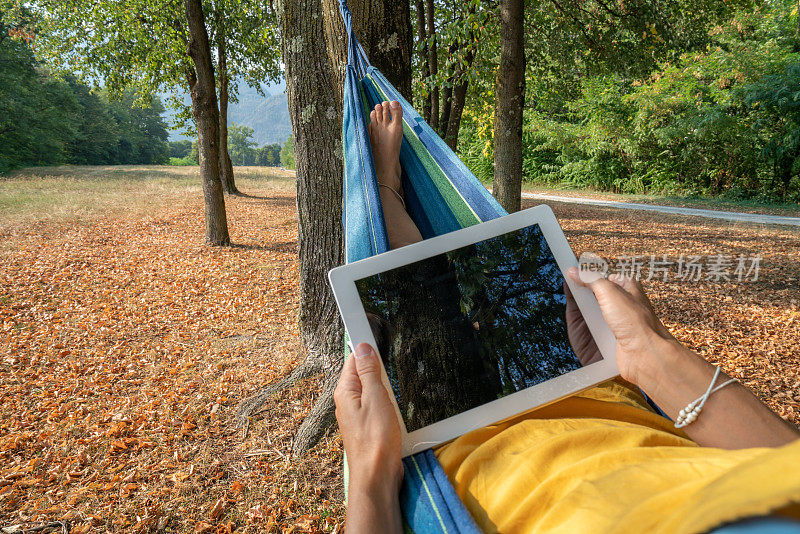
[
  {"x": 672, "y": 375},
  {"x": 629, "y": 314}
]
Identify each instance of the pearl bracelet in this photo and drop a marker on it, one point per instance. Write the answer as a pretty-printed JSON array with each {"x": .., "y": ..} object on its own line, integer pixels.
[{"x": 693, "y": 409}]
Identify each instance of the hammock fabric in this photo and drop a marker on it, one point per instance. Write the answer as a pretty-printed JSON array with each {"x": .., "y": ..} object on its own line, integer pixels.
[{"x": 442, "y": 195}]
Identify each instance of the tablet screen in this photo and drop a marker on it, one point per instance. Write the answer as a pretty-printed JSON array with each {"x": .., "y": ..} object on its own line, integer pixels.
[{"x": 475, "y": 324}]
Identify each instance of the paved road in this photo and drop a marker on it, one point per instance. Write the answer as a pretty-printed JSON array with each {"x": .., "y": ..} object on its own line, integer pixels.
[{"x": 711, "y": 214}]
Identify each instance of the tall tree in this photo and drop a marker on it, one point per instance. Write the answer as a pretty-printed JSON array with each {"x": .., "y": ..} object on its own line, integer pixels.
[
  {"x": 204, "y": 109},
  {"x": 433, "y": 62},
  {"x": 86, "y": 36},
  {"x": 423, "y": 59},
  {"x": 313, "y": 49},
  {"x": 510, "y": 91},
  {"x": 459, "y": 27},
  {"x": 225, "y": 164},
  {"x": 247, "y": 47}
]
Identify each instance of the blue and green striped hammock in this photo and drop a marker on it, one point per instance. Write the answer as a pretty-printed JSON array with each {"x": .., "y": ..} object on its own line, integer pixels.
[{"x": 442, "y": 195}]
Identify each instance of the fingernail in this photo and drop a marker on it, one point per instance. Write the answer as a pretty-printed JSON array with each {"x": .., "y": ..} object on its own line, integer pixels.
[
  {"x": 587, "y": 277},
  {"x": 363, "y": 350}
]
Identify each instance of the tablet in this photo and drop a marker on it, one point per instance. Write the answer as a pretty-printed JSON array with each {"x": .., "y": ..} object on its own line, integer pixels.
[{"x": 476, "y": 325}]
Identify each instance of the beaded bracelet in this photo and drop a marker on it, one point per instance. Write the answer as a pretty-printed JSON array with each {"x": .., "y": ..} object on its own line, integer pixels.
[{"x": 693, "y": 409}]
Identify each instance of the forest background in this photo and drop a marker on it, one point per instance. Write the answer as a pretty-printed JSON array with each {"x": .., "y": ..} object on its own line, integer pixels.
[{"x": 634, "y": 98}]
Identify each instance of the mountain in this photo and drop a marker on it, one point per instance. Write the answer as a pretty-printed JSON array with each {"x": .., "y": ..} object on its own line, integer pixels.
[{"x": 267, "y": 115}]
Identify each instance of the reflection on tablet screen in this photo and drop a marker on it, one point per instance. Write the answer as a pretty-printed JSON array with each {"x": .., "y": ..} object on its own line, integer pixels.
[{"x": 470, "y": 326}]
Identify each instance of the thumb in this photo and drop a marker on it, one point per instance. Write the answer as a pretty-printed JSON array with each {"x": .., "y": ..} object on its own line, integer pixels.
[
  {"x": 367, "y": 365},
  {"x": 609, "y": 294}
]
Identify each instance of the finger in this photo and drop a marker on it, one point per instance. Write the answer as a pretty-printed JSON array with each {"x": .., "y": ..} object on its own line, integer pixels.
[
  {"x": 367, "y": 366},
  {"x": 568, "y": 292},
  {"x": 627, "y": 283},
  {"x": 387, "y": 114},
  {"x": 379, "y": 112},
  {"x": 636, "y": 291},
  {"x": 349, "y": 386}
]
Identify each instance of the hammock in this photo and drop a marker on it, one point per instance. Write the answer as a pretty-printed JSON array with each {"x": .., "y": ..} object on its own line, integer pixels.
[{"x": 442, "y": 195}]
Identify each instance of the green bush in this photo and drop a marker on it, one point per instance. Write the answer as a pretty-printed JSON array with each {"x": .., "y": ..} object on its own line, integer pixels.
[
  {"x": 287, "y": 153},
  {"x": 182, "y": 162}
]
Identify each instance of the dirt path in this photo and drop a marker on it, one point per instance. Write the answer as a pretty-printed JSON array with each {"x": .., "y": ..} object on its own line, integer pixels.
[{"x": 674, "y": 210}]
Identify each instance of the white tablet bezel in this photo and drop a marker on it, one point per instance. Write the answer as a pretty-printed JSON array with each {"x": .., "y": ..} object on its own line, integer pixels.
[{"x": 343, "y": 280}]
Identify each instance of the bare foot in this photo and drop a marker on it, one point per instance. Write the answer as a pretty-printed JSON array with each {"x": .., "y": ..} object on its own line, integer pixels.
[{"x": 386, "y": 136}]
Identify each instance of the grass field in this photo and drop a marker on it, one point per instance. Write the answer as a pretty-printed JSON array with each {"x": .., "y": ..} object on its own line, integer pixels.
[
  {"x": 74, "y": 192},
  {"x": 127, "y": 343}
]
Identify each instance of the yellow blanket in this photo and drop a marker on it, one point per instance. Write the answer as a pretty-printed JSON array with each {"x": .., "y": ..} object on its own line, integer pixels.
[{"x": 603, "y": 461}]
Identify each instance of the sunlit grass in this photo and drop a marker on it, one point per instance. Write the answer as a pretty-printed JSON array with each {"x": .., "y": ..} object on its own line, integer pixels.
[{"x": 84, "y": 192}]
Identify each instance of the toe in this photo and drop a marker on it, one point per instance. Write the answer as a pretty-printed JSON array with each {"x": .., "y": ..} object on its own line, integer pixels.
[
  {"x": 397, "y": 111},
  {"x": 387, "y": 115},
  {"x": 373, "y": 116},
  {"x": 379, "y": 112}
]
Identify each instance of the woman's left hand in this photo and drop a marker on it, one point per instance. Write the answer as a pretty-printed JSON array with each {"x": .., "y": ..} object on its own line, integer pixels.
[{"x": 368, "y": 423}]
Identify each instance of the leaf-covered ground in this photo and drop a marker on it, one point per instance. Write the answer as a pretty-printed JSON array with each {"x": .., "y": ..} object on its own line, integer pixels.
[{"x": 126, "y": 344}]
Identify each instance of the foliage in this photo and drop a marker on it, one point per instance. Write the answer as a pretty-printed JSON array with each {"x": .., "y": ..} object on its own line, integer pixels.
[
  {"x": 35, "y": 110},
  {"x": 181, "y": 162},
  {"x": 241, "y": 146},
  {"x": 46, "y": 120},
  {"x": 287, "y": 153},
  {"x": 244, "y": 150},
  {"x": 143, "y": 43},
  {"x": 714, "y": 109},
  {"x": 180, "y": 149},
  {"x": 181, "y": 153},
  {"x": 269, "y": 155}
]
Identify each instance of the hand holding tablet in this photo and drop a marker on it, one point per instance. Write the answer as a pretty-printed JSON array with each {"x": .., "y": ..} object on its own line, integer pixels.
[{"x": 477, "y": 325}]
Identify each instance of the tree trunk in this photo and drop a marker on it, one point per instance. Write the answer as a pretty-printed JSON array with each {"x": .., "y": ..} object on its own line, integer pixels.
[
  {"x": 389, "y": 43},
  {"x": 433, "y": 63},
  {"x": 313, "y": 50},
  {"x": 458, "y": 100},
  {"x": 447, "y": 100},
  {"x": 225, "y": 165},
  {"x": 456, "y": 93},
  {"x": 510, "y": 90},
  {"x": 424, "y": 67},
  {"x": 204, "y": 109}
]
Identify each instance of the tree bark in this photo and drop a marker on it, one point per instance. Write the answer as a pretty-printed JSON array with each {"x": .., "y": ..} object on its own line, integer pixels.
[
  {"x": 459, "y": 97},
  {"x": 456, "y": 92},
  {"x": 314, "y": 51},
  {"x": 447, "y": 101},
  {"x": 433, "y": 63},
  {"x": 225, "y": 164},
  {"x": 204, "y": 109},
  {"x": 510, "y": 91},
  {"x": 424, "y": 67},
  {"x": 389, "y": 43}
]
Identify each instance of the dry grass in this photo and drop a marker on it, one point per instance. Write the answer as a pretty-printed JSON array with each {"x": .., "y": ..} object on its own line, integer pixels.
[
  {"x": 127, "y": 343},
  {"x": 58, "y": 194}
]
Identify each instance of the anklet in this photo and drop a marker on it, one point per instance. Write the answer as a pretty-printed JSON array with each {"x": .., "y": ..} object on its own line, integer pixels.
[
  {"x": 693, "y": 409},
  {"x": 403, "y": 202}
]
